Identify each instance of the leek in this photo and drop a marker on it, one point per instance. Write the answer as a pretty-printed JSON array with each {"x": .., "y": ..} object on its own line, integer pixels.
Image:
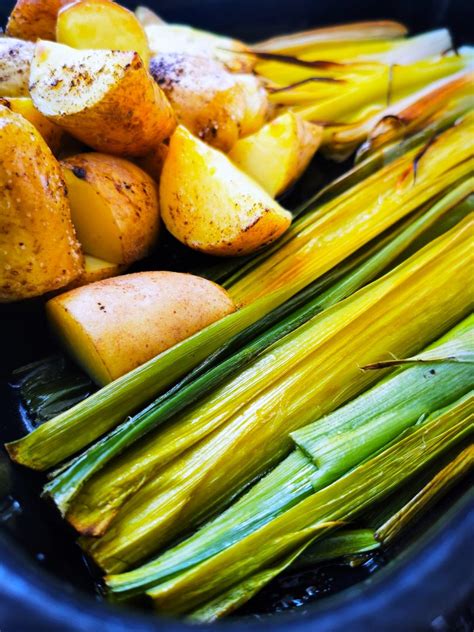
[
  {"x": 273, "y": 547},
  {"x": 427, "y": 496},
  {"x": 364, "y": 210},
  {"x": 309, "y": 373},
  {"x": 341, "y": 229},
  {"x": 348, "y": 542},
  {"x": 358, "y": 31},
  {"x": 446, "y": 98},
  {"x": 67, "y": 484},
  {"x": 398, "y": 401}
]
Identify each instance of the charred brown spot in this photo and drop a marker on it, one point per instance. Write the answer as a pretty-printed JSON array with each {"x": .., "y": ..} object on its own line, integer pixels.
[{"x": 80, "y": 173}]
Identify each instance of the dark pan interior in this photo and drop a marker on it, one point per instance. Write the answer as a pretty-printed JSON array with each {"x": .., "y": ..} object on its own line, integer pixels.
[{"x": 37, "y": 550}]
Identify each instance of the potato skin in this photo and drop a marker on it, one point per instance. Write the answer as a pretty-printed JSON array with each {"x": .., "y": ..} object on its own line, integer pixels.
[
  {"x": 51, "y": 132},
  {"x": 205, "y": 96},
  {"x": 115, "y": 325},
  {"x": 39, "y": 251},
  {"x": 153, "y": 162},
  {"x": 178, "y": 38},
  {"x": 34, "y": 19},
  {"x": 15, "y": 61},
  {"x": 106, "y": 99},
  {"x": 131, "y": 195}
]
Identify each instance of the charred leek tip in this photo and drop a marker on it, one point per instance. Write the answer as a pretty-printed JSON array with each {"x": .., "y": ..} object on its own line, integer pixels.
[
  {"x": 347, "y": 542},
  {"x": 437, "y": 487}
]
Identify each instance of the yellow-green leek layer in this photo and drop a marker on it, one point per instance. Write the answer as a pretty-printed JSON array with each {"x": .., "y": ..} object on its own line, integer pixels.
[
  {"x": 308, "y": 374},
  {"x": 314, "y": 243},
  {"x": 433, "y": 380},
  {"x": 239, "y": 571},
  {"x": 317, "y": 243},
  {"x": 101, "y": 498}
]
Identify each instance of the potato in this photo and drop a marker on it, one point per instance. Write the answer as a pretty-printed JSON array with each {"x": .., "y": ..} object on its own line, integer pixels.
[
  {"x": 39, "y": 251},
  {"x": 51, "y": 132},
  {"x": 210, "y": 205},
  {"x": 114, "y": 206},
  {"x": 15, "y": 61},
  {"x": 153, "y": 162},
  {"x": 206, "y": 98},
  {"x": 96, "y": 270},
  {"x": 34, "y": 19},
  {"x": 106, "y": 99},
  {"x": 177, "y": 38},
  {"x": 278, "y": 154},
  {"x": 115, "y": 325},
  {"x": 102, "y": 24},
  {"x": 147, "y": 17},
  {"x": 256, "y": 104}
]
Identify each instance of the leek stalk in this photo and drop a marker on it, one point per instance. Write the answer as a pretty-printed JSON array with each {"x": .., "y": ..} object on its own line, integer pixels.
[
  {"x": 273, "y": 547},
  {"x": 339, "y": 236},
  {"x": 309, "y": 373},
  {"x": 427, "y": 496},
  {"x": 399, "y": 400},
  {"x": 67, "y": 483}
]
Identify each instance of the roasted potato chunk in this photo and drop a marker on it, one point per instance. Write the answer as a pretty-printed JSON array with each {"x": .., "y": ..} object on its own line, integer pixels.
[
  {"x": 147, "y": 17},
  {"x": 96, "y": 270},
  {"x": 34, "y": 19},
  {"x": 278, "y": 153},
  {"x": 15, "y": 61},
  {"x": 153, "y": 162},
  {"x": 210, "y": 205},
  {"x": 256, "y": 104},
  {"x": 114, "y": 206},
  {"x": 39, "y": 251},
  {"x": 101, "y": 24},
  {"x": 106, "y": 99},
  {"x": 113, "y": 326},
  {"x": 206, "y": 98},
  {"x": 51, "y": 132},
  {"x": 177, "y": 38}
]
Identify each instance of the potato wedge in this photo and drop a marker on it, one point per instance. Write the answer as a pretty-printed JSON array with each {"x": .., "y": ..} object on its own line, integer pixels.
[
  {"x": 114, "y": 206},
  {"x": 278, "y": 154},
  {"x": 39, "y": 251},
  {"x": 113, "y": 326},
  {"x": 257, "y": 106},
  {"x": 210, "y": 205},
  {"x": 51, "y": 132},
  {"x": 102, "y": 24},
  {"x": 153, "y": 162},
  {"x": 106, "y": 99},
  {"x": 15, "y": 61},
  {"x": 34, "y": 19},
  {"x": 205, "y": 96},
  {"x": 96, "y": 270},
  {"x": 177, "y": 38}
]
